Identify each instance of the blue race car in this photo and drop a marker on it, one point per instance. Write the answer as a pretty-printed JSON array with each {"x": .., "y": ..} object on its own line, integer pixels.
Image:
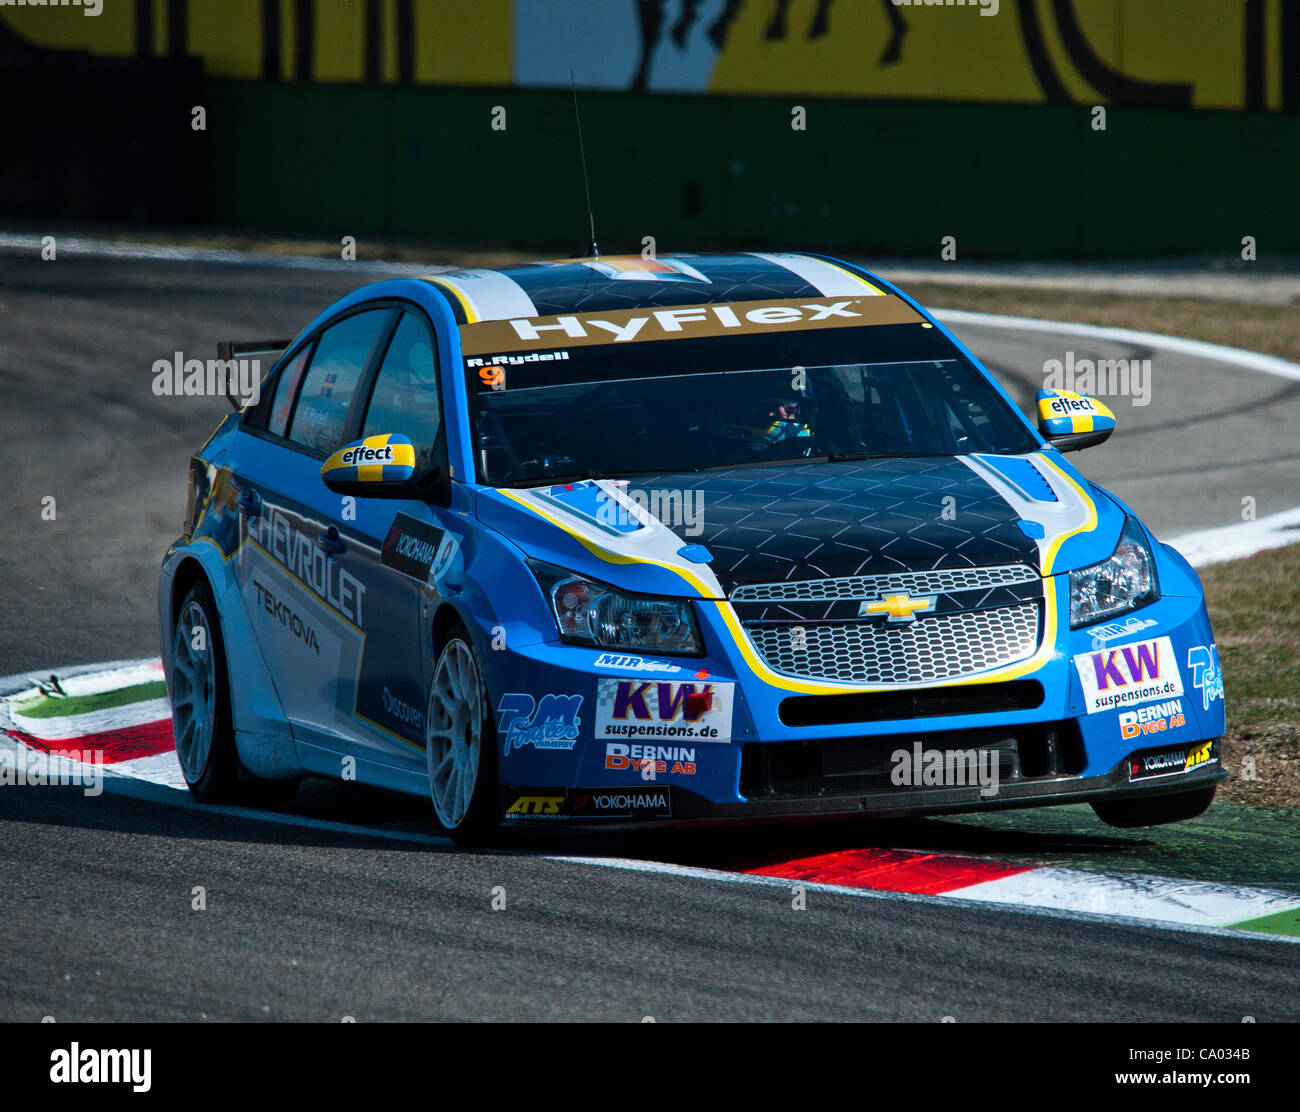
[{"x": 695, "y": 538}]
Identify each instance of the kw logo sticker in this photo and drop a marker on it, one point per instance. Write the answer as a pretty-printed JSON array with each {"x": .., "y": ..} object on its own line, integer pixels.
[
  {"x": 1113, "y": 679},
  {"x": 648, "y": 708}
]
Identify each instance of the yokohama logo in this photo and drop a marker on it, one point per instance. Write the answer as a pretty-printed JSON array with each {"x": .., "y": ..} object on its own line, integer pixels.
[
  {"x": 625, "y": 801},
  {"x": 648, "y": 803}
]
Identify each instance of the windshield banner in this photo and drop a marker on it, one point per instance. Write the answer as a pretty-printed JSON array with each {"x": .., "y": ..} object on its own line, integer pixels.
[{"x": 736, "y": 318}]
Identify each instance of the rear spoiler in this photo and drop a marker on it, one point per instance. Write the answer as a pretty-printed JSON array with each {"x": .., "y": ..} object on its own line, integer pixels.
[{"x": 228, "y": 350}]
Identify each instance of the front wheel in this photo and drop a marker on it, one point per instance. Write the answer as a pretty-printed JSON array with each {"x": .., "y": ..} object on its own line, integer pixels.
[
  {"x": 1155, "y": 810},
  {"x": 460, "y": 745}
]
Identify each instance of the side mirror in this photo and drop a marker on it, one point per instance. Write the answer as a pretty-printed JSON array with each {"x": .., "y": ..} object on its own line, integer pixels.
[
  {"x": 380, "y": 466},
  {"x": 1070, "y": 421}
]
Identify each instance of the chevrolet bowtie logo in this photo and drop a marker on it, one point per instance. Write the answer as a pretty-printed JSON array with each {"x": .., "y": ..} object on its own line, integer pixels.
[{"x": 896, "y": 608}]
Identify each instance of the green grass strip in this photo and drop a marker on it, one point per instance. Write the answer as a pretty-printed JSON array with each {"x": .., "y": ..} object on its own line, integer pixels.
[
  {"x": 1283, "y": 922},
  {"x": 45, "y": 707}
]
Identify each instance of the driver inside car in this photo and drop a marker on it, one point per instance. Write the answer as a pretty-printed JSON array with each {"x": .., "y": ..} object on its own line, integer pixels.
[{"x": 767, "y": 423}]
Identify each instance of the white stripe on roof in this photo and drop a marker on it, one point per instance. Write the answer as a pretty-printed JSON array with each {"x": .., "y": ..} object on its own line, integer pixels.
[
  {"x": 491, "y": 294},
  {"x": 832, "y": 281}
]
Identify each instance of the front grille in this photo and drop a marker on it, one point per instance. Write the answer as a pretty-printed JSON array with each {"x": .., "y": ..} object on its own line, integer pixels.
[
  {"x": 872, "y": 586},
  {"x": 924, "y": 651}
]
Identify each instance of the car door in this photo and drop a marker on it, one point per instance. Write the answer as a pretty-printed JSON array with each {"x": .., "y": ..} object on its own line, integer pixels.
[
  {"x": 397, "y": 544},
  {"x": 307, "y": 562}
]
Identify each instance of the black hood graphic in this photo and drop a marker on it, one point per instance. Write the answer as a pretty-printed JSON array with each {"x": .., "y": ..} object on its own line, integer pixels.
[{"x": 819, "y": 520}]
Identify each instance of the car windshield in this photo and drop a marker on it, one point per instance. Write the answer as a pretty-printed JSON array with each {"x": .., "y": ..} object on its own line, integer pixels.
[{"x": 604, "y": 416}]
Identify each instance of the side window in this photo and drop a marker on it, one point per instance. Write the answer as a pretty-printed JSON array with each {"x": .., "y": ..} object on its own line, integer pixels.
[
  {"x": 405, "y": 397},
  {"x": 341, "y": 354},
  {"x": 286, "y": 386}
]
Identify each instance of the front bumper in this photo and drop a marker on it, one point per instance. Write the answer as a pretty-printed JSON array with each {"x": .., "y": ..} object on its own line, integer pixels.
[
  {"x": 657, "y": 805},
  {"x": 789, "y": 753}
]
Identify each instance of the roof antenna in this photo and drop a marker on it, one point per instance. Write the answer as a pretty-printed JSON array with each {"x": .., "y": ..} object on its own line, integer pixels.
[{"x": 592, "y": 250}]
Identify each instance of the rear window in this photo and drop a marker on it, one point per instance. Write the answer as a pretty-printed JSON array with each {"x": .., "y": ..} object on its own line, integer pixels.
[{"x": 286, "y": 385}]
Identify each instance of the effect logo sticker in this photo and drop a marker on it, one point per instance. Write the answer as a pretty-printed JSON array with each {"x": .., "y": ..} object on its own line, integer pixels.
[
  {"x": 382, "y": 458},
  {"x": 1207, "y": 676},
  {"x": 1062, "y": 412},
  {"x": 551, "y": 724},
  {"x": 1132, "y": 674}
]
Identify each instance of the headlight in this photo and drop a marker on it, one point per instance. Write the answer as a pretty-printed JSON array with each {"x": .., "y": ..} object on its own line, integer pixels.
[
  {"x": 588, "y": 612},
  {"x": 1120, "y": 583}
]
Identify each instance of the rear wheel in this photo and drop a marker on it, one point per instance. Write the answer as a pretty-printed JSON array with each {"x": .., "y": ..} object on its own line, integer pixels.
[
  {"x": 1155, "y": 810},
  {"x": 460, "y": 744},
  {"x": 201, "y": 718}
]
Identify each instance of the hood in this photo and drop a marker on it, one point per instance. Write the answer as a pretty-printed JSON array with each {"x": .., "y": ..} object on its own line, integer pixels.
[{"x": 760, "y": 524}]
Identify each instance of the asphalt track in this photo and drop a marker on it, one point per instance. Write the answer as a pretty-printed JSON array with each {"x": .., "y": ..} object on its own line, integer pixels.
[{"x": 311, "y": 923}]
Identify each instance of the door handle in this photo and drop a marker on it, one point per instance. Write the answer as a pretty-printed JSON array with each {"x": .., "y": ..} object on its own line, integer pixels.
[
  {"x": 331, "y": 542},
  {"x": 250, "y": 503}
]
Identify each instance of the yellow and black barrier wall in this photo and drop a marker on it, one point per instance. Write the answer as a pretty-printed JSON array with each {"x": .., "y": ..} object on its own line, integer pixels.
[{"x": 860, "y": 125}]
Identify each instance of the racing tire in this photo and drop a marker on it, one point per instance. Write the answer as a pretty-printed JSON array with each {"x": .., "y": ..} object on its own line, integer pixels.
[
  {"x": 460, "y": 743},
  {"x": 1155, "y": 810},
  {"x": 201, "y": 719}
]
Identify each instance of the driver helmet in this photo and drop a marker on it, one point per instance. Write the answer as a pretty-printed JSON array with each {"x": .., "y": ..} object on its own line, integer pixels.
[{"x": 763, "y": 422}]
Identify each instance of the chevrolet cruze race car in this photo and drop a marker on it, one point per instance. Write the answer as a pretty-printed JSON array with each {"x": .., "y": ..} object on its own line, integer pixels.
[{"x": 688, "y": 539}]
